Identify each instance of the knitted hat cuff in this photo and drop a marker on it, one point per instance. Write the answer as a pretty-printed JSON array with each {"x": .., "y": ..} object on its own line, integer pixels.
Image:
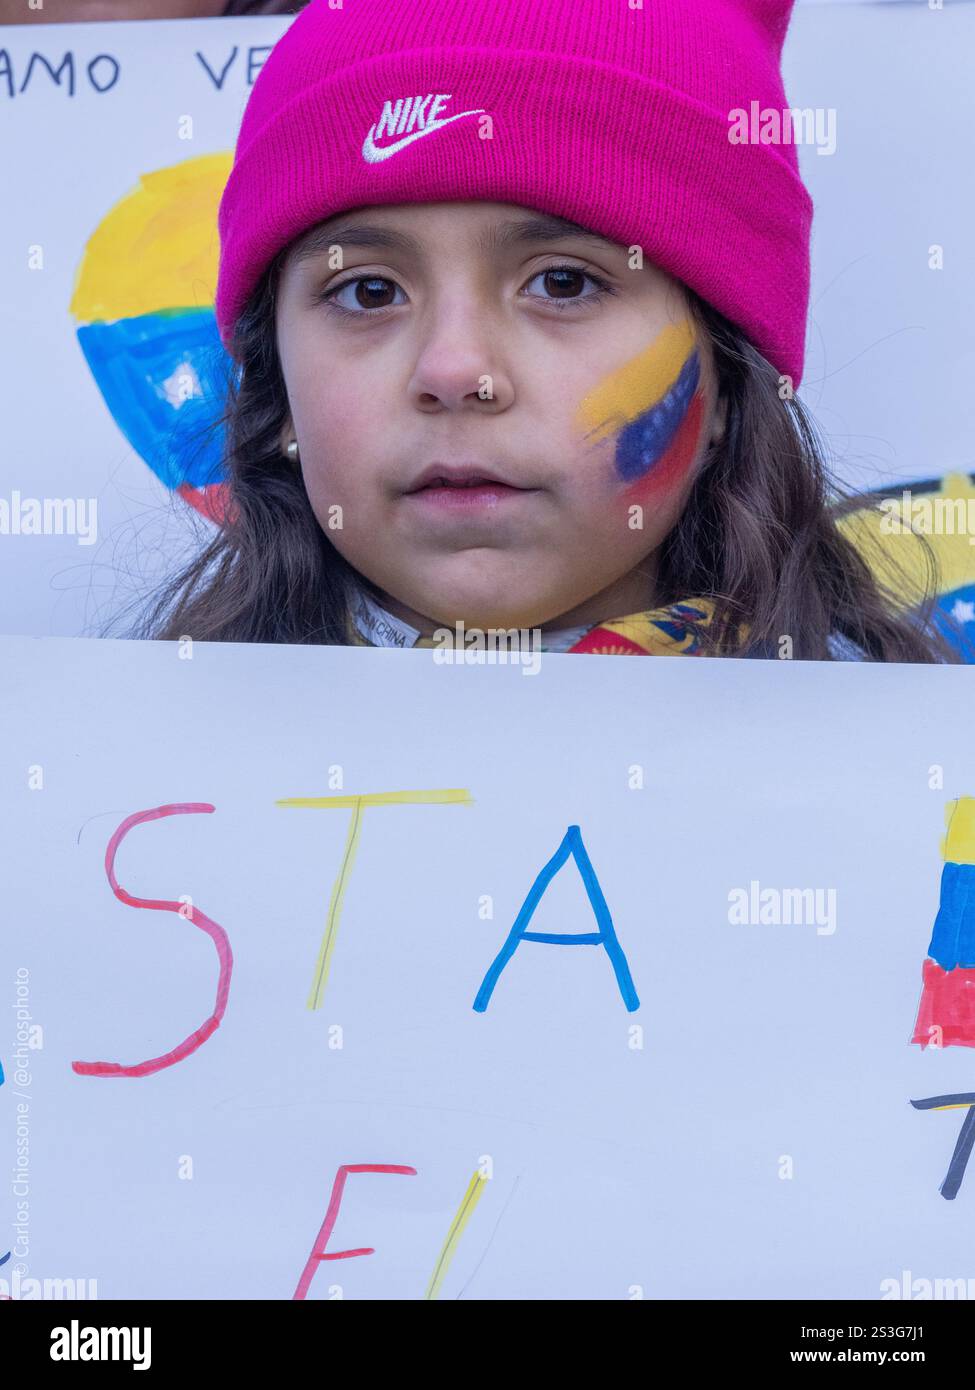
[{"x": 637, "y": 161}]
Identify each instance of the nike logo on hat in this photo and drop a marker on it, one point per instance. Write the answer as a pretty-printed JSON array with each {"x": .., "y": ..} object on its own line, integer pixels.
[{"x": 401, "y": 116}]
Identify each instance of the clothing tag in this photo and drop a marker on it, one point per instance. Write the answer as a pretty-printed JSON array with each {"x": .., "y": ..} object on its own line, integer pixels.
[{"x": 381, "y": 628}]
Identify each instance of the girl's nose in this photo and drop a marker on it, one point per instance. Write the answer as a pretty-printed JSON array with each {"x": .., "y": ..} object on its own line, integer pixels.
[{"x": 460, "y": 366}]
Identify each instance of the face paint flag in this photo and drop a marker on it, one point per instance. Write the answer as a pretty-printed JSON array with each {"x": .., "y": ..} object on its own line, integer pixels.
[
  {"x": 143, "y": 306},
  {"x": 653, "y": 407}
]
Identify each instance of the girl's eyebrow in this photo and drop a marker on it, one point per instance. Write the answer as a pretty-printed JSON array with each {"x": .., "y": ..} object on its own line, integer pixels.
[{"x": 522, "y": 231}]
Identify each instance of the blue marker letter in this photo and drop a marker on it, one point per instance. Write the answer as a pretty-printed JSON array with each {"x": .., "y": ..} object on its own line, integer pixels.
[{"x": 605, "y": 936}]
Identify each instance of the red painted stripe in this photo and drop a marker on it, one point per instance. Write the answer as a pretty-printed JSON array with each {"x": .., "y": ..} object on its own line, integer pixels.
[{"x": 947, "y": 1003}]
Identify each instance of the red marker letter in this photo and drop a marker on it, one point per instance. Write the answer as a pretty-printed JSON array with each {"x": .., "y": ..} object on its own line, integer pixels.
[
  {"x": 193, "y": 914},
  {"x": 321, "y": 1240}
]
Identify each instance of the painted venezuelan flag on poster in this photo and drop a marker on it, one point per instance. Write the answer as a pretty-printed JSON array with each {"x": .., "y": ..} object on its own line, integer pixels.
[
  {"x": 946, "y": 1013},
  {"x": 143, "y": 306}
]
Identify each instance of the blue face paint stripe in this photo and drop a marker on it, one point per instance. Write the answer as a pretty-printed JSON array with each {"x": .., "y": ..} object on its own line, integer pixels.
[{"x": 644, "y": 441}]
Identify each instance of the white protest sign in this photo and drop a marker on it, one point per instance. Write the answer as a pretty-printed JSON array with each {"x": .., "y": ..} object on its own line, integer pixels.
[{"x": 362, "y": 1030}]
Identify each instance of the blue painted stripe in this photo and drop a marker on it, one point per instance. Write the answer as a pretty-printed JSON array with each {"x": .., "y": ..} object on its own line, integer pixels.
[
  {"x": 959, "y": 632},
  {"x": 644, "y": 441},
  {"x": 131, "y": 361},
  {"x": 953, "y": 939}
]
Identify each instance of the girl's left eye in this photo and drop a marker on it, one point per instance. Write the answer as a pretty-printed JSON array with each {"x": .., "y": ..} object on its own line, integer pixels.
[
  {"x": 374, "y": 286},
  {"x": 560, "y": 273}
]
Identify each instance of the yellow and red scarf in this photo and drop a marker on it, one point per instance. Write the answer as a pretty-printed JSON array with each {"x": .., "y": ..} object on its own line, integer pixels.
[
  {"x": 669, "y": 631},
  {"x": 672, "y": 630}
]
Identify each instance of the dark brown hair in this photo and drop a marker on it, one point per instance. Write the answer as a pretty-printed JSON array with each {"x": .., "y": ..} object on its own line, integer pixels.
[
  {"x": 240, "y": 7},
  {"x": 758, "y": 534}
]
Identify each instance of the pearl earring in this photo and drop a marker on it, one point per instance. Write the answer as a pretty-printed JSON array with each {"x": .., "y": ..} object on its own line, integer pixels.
[{"x": 292, "y": 451}]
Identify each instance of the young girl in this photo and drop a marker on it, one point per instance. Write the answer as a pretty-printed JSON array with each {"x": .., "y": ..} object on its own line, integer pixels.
[{"x": 518, "y": 324}]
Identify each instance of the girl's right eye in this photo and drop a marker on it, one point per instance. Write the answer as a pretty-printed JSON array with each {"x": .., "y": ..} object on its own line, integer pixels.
[{"x": 365, "y": 288}]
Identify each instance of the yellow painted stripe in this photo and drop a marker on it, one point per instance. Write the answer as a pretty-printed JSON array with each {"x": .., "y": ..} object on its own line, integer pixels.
[
  {"x": 958, "y": 845},
  {"x": 158, "y": 247},
  {"x": 898, "y": 555},
  {"x": 638, "y": 384},
  {"x": 425, "y": 796},
  {"x": 462, "y": 1215},
  {"x": 334, "y": 911},
  {"x": 436, "y": 796}
]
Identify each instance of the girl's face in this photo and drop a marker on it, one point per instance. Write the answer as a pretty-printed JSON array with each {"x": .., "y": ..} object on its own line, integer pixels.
[{"x": 489, "y": 340}]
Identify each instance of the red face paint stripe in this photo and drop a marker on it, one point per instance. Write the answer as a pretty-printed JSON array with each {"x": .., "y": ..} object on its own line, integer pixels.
[{"x": 674, "y": 464}]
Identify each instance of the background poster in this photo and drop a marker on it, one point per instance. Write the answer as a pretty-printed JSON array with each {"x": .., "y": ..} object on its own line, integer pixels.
[{"x": 117, "y": 139}]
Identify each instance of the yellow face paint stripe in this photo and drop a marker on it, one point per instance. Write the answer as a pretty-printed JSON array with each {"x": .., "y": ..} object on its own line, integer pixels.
[{"x": 638, "y": 384}]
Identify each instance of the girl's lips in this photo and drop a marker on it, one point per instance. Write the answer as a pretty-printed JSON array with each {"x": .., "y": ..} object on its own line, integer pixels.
[{"x": 467, "y": 498}]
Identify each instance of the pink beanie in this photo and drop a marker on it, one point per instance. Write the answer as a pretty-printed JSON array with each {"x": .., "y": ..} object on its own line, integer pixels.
[{"x": 612, "y": 113}]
